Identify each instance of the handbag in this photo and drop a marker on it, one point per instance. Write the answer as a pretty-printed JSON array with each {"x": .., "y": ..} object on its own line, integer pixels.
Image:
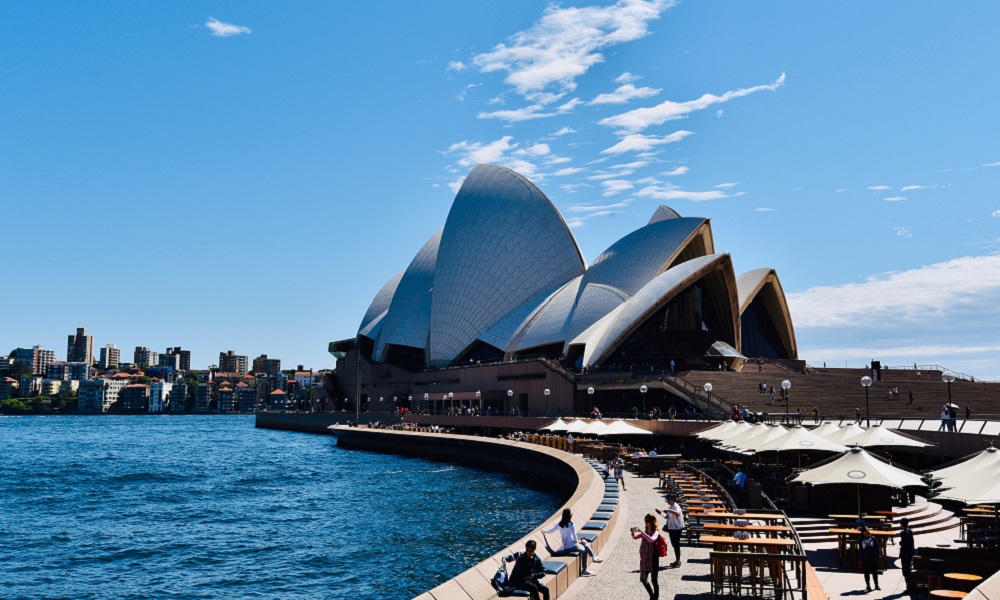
[{"x": 661, "y": 546}]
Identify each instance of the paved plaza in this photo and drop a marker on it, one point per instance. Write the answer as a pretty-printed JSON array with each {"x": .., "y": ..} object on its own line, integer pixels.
[{"x": 618, "y": 576}]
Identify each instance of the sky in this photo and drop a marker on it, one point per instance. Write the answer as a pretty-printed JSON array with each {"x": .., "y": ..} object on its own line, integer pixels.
[{"x": 246, "y": 176}]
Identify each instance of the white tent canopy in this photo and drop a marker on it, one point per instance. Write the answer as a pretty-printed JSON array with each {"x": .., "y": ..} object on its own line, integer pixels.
[
  {"x": 858, "y": 466},
  {"x": 750, "y": 445},
  {"x": 619, "y": 427},
  {"x": 576, "y": 426},
  {"x": 555, "y": 426},
  {"x": 844, "y": 434},
  {"x": 594, "y": 428},
  {"x": 738, "y": 436},
  {"x": 826, "y": 428},
  {"x": 800, "y": 438},
  {"x": 988, "y": 459},
  {"x": 720, "y": 429},
  {"x": 876, "y": 435},
  {"x": 985, "y": 491}
]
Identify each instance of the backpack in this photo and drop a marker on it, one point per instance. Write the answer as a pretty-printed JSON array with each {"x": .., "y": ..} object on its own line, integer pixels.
[
  {"x": 661, "y": 546},
  {"x": 501, "y": 581}
]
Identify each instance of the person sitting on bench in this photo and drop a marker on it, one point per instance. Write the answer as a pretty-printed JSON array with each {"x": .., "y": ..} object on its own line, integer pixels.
[
  {"x": 570, "y": 542},
  {"x": 528, "y": 569}
]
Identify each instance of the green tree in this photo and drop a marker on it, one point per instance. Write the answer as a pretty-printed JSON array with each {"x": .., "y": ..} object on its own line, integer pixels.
[{"x": 13, "y": 406}]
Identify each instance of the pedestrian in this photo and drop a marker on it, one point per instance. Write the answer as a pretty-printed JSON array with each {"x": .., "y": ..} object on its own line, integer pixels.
[
  {"x": 675, "y": 524},
  {"x": 910, "y": 393},
  {"x": 815, "y": 414},
  {"x": 619, "y": 468},
  {"x": 798, "y": 415},
  {"x": 967, "y": 413},
  {"x": 571, "y": 543},
  {"x": 740, "y": 485},
  {"x": 649, "y": 556},
  {"x": 906, "y": 551},
  {"x": 857, "y": 416},
  {"x": 528, "y": 569},
  {"x": 953, "y": 417},
  {"x": 869, "y": 552}
]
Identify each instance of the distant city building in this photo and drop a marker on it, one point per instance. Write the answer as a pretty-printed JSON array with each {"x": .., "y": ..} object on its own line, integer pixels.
[
  {"x": 230, "y": 361},
  {"x": 144, "y": 357},
  {"x": 97, "y": 395},
  {"x": 281, "y": 381},
  {"x": 110, "y": 357},
  {"x": 81, "y": 371},
  {"x": 246, "y": 397},
  {"x": 159, "y": 394},
  {"x": 80, "y": 347},
  {"x": 51, "y": 387},
  {"x": 276, "y": 400},
  {"x": 185, "y": 357},
  {"x": 36, "y": 359},
  {"x": 58, "y": 370},
  {"x": 135, "y": 398},
  {"x": 226, "y": 398},
  {"x": 8, "y": 387},
  {"x": 6, "y": 364},
  {"x": 178, "y": 398},
  {"x": 203, "y": 398},
  {"x": 29, "y": 386},
  {"x": 204, "y": 376},
  {"x": 263, "y": 364},
  {"x": 172, "y": 361},
  {"x": 304, "y": 378}
]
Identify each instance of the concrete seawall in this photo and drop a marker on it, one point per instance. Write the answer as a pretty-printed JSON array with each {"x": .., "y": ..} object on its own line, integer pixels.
[{"x": 537, "y": 465}]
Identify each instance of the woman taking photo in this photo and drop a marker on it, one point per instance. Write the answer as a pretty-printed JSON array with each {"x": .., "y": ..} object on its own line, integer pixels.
[
  {"x": 649, "y": 557},
  {"x": 570, "y": 541}
]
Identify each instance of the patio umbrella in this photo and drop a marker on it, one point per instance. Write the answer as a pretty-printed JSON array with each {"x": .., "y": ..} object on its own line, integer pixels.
[
  {"x": 799, "y": 438},
  {"x": 825, "y": 428},
  {"x": 845, "y": 433},
  {"x": 620, "y": 427},
  {"x": 576, "y": 426},
  {"x": 750, "y": 445},
  {"x": 556, "y": 426},
  {"x": 720, "y": 429},
  {"x": 859, "y": 467},
  {"x": 951, "y": 405},
  {"x": 595, "y": 427},
  {"x": 988, "y": 459},
  {"x": 876, "y": 435},
  {"x": 741, "y": 434}
]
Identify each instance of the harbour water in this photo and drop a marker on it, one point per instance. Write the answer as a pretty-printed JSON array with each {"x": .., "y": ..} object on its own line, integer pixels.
[{"x": 209, "y": 507}]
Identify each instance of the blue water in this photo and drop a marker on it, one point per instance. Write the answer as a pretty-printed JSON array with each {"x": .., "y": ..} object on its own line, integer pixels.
[{"x": 209, "y": 507}]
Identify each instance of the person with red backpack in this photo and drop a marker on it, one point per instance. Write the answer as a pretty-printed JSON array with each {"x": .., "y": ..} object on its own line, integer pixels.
[{"x": 651, "y": 547}]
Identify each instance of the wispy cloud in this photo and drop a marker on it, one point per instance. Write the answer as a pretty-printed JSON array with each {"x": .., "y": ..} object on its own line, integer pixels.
[
  {"x": 996, "y": 213},
  {"x": 564, "y": 131},
  {"x": 457, "y": 65},
  {"x": 566, "y": 42},
  {"x": 592, "y": 208},
  {"x": 895, "y": 198},
  {"x": 627, "y": 77},
  {"x": 904, "y": 232},
  {"x": 220, "y": 29},
  {"x": 640, "y": 118},
  {"x": 502, "y": 152},
  {"x": 996, "y": 164},
  {"x": 623, "y": 94},
  {"x": 637, "y": 142},
  {"x": 663, "y": 192},
  {"x": 907, "y": 188},
  {"x": 682, "y": 170},
  {"x": 879, "y": 188},
  {"x": 763, "y": 209},
  {"x": 728, "y": 185},
  {"x": 568, "y": 171},
  {"x": 533, "y": 111},
  {"x": 615, "y": 186}
]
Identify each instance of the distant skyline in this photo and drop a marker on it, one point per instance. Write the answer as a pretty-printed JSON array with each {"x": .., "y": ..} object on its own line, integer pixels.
[{"x": 246, "y": 177}]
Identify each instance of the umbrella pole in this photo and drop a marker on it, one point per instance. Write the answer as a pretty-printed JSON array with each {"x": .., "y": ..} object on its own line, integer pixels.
[{"x": 859, "y": 500}]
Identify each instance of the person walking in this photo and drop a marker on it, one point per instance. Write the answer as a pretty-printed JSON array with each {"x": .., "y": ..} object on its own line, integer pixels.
[
  {"x": 906, "y": 551},
  {"x": 869, "y": 552},
  {"x": 571, "y": 542},
  {"x": 528, "y": 569},
  {"x": 619, "y": 468},
  {"x": 945, "y": 417},
  {"x": 675, "y": 524},
  {"x": 649, "y": 556}
]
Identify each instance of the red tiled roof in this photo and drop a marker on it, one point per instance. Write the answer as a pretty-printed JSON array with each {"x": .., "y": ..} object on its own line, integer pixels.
[{"x": 277, "y": 392}]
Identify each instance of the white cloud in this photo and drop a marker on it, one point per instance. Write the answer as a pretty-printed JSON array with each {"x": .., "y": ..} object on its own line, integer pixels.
[
  {"x": 728, "y": 185},
  {"x": 499, "y": 152},
  {"x": 535, "y": 150},
  {"x": 996, "y": 164},
  {"x": 220, "y": 29},
  {"x": 641, "y": 118},
  {"x": 623, "y": 94},
  {"x": 627, "y": 77},
  {"x": 569, "y": 106},
  {"x": 879, "y": 188},
  {"x": 564, "y": 131},
  {"x": 568, "y": 171},
  {"x": 637, "y": 142},
  {"x": 516, "y": 115},
  {"x": 895, "y": 199},
  {"x": 676, "y": 171},
  {"x": 917, "y": 297},
  {"x": 592, "y": 208},
  {"x": 718, "y": 114},
  {"x": 904, "y": 232},
  {"x": 615, "y": 186},
  {"x": 659, "y": 192},
  {"x": 765, "y": 210},
  {"x": 907, "y": 188},
  {"x": 457, "y": 65},
  {"x": 461, "y": 95},
  {"x": 840, "y": 190},
  {"x": 996, "y": 213},
  {"x": 566, "y": 42}
]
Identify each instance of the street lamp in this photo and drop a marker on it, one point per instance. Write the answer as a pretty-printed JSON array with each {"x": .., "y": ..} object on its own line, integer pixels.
[
  {"x": 866, "y": 382},
  {"x": 708, "y": 409},
  {"x": 427, "y": 397},
  {"x": 785, "y": 386},
  {"x": 643, "y": 389},
  {"x": 948, "y": 378},
  {"x": 547, "y": 392},
  {"x": 479, "y": 401},
  {"x": 510, "y": 394}
]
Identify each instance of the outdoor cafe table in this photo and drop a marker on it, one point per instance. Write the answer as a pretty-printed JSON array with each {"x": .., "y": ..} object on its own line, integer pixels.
[
  {"x": 725, "y": 543},
  {"x": 750, "y": 516},
  {"x": 843, "y": 535},
  {"x": 769, "y": 530},
  {"x": 965, "y": 581},
  {"x": 853, "y": 518}
]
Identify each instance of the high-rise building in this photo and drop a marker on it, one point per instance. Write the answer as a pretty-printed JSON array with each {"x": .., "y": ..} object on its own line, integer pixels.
[
  {"x": 231, "y": 362},
  {"x": 170, "y": 361},
  {"x": 135, "y": 398},
  {"x": 144, "y": 357},
  {"x": 178, "y": 398},
  {"x": 246, "y": 397},
  {"x": 185, "y": 357},
  {"x": 80, "y": 347},
  {"x": 35, "y": 358},
  {"x": 81, "y": 371},
  {"x": 263, "y": 364},
  {"x": 159, "y": 395},
  {"x": 110, "y": 356},
  {"x": 97, "y": 395},
  {"x": 203, "y": 398},
  {"x": 58, "y": 370}
]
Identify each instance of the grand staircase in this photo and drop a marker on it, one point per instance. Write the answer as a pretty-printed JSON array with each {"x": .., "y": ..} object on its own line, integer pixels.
[{"x": 925, "y": 517}]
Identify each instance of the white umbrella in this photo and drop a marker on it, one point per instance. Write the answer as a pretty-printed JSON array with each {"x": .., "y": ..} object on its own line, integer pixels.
[
  {"x": 555, "y": 426},
  {"x": 740, "y": 435},
  {"x": 859, "y": 467},
  {"x": 845, "y": 433},
  {"x": 826, "y": 428},
  {"x": 876, "y": 435},
  {"x": 951, "y": 405},
  {"x": 740, "y": 428},
  {"x": 800, "y": 438},
  {"x": 710, "y": 433},
  {"x": 576, "y": 426},
  {"x": 594, "y": 428},
  {"x": 752, "y": 445},
  {"x": 619, "y": 427},
  {"x": 987, "y": 459}
]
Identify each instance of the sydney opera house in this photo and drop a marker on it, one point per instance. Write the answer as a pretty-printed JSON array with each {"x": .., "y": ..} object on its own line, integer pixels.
[{"x": 500, "y": 310}]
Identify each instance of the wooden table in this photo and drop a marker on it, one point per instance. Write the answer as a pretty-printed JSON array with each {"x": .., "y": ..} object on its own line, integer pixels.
[
  {"x": 752, "y": 516},
  {"x": 964, "y": 581},
  {"x": 947, "y": 594},
  {"x": 842, "y": 539},
  {"x": 769, "y": 545},
  {"x": 769, "y": 530},
  {"x": 853, "y": 518}
]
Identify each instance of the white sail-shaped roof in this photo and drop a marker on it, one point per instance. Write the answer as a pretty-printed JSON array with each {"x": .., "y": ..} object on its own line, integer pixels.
[{"x": 407, "y": 321}]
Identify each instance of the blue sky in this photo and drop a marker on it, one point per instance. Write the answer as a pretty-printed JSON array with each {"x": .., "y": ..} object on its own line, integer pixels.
[{"x": 246, "y": 176}]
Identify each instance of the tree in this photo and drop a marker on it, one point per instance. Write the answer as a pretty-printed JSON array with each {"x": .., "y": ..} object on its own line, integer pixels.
[{"x": 13, "y": 406}]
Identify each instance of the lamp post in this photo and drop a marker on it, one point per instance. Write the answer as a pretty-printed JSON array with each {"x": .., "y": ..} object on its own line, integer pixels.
[
  {"x": 643, "y": 389},
  {"x": 785, "y": 386},
  {"x": 590, "y": 395},
  {"x": 866, "y": 382},
  {"x": 451, "y": 399},
  {"x": 427, "y": 398},
  {"x": 948, "y": 378},
  {"x": 547, "y": 393},
  {"x": 510, "y": 395},
  {"x": 479, "y": 401},
  {"x": 708, "y": 408}
]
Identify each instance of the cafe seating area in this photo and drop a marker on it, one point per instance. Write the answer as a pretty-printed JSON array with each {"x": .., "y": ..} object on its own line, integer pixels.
[{"x": 952, "y": 572}]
